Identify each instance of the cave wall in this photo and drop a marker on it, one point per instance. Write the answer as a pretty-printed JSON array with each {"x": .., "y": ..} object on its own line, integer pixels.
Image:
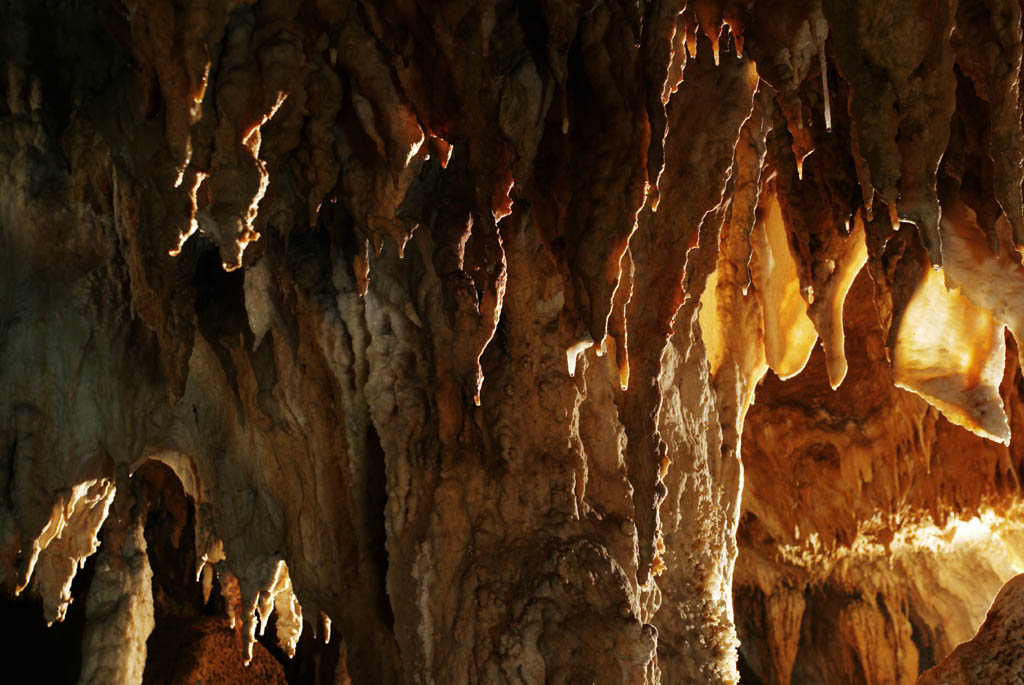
[
  {"x": 446, "y": 321},
  {"x": 869, "y": 518}
]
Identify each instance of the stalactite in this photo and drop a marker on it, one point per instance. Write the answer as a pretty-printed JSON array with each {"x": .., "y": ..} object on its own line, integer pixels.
[{"x": 452, "y": 323}]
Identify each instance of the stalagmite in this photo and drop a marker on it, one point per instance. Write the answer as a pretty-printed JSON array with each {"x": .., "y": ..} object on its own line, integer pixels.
[
  {"x": 119, "y": 608},
  {"x": 446, "y": 329}
]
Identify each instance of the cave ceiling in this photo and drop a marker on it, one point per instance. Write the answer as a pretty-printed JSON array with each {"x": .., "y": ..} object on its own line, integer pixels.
[{"x": 639, "y": 341}]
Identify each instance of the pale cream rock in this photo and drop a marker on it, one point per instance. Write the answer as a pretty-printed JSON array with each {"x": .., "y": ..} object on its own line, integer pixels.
[
  {"x": 789, "y": 334},
  {"x": 63, "y": 545},
  {"x": 996, "y": 653},
  {"x": 119, "y": 611},
  {"x": 951, "y": 353}
]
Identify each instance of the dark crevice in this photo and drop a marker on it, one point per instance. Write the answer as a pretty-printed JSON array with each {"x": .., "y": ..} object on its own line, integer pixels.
[
  {"x": 170, "y": 542},
  {"x": 220, "y": 312},
  {"x": 192, "y": 640},
  {"x": 747, "y": 674},
  {"x": 376, "y": 502},
  {"x": 922, "y": 638},
  {"x": 30, "y": 651},
  {"x": 314, "y": 662},
  {"x": 11, "y": 452}
]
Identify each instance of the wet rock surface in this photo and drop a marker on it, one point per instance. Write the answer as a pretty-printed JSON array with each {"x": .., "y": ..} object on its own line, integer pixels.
[{"x": 453, "y": 334}]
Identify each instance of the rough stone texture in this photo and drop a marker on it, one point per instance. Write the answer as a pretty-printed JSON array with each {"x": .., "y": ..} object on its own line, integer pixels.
[
  {"x": 119, "y": 608},
  {"x": 873, "y": 510},
  {"x": 206, "y": 651},
  {"x": 996, "y": 653},
  {"x": 435, "y": 327}
]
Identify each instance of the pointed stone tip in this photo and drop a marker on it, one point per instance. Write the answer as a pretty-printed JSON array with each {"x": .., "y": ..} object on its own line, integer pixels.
[{"x": 573, "y": 352}]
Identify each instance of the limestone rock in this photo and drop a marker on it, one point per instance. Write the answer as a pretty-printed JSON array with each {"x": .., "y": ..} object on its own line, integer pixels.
[
  {"x": 996, "y": 653},
  {"x": 442, "y": 332}
]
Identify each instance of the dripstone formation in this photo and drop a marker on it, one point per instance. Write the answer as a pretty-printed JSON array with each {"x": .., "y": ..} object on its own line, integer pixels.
[{"x": 477, "y": 341}]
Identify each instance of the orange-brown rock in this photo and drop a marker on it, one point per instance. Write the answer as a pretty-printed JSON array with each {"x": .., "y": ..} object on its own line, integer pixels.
[
  {"x": 445, "y": 329},
  {"x": 995, "y": 654},
  {"x": 206, "y": 651}
]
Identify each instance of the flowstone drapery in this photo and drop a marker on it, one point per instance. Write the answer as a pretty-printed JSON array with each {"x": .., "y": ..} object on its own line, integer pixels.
[{"x": 435, "y": 330}]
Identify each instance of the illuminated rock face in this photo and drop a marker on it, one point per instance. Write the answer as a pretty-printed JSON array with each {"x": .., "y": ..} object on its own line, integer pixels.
[
  {"x": 994, "y": 654},
  {"x": 868, "y": 518},
  {"x": 443, "y": 332}
]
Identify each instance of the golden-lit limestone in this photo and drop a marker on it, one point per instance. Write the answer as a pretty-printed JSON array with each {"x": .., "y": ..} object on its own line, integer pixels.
[
  {"x": 259, "y": 306},
  {"x": 279, "y": 596},
  {"x": 206, "y": 578},
  {"x": 729, "y": 304},
  {"x": 66, "y": 541},
  {"x": 830, "y": 302},
  {"x": 948, "y": 573},
  {"x": 993, "y": 282},
  {"x": 174, "y": 46},
  {"x": 832, "y": 459},
  {"x": 900, "y": 101},
  {"x": 883, "y": 647},
  {"x": 275, "y": 591},
  {"x": 575, "y": 350},
  {"x": 785, "y": 610},
  {"x": 714, "y": 334},
  {"x": 252, "y": 139},
  {"x": 193, "y": 222},
  {"x": 951, "y": 352},
  {"x": 259, "y": 603},
  {"x": 386, "y": 116},
  {"x": 393, "y": 43},
  {"x": 724, "y": 307},
  {"x": 786, "y": 49},
  {"x": 789, "y": 334},
  {"x": 996, "y": 653},
  {"x": 597, "y": 227},
  {"x": 674, "y": 251}
]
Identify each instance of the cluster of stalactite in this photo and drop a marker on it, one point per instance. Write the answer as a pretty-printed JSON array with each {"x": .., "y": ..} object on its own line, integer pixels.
[{"x": 435, "y": 326}]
